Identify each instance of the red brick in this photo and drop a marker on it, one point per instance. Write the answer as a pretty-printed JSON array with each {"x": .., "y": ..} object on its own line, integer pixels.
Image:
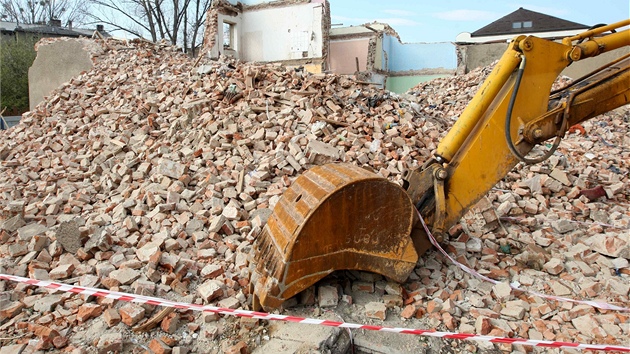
[
  {"x": 408, "y": 312},
  {"x": 131, "y": 314},
  {"x": 10, "y": 309},
  {"x": 111, "y": 317},
  {"x": 170, "y": 323},
  {"x": 159, "y": 347},
  {"x": 43, "y": 332},
  {"x": 88, "y": 311}
]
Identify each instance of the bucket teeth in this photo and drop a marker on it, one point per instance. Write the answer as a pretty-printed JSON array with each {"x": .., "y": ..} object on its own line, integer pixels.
[{"x": 266, "y": 256}]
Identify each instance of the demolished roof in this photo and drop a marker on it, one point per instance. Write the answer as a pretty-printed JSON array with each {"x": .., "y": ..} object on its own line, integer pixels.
[{"x": 48, "y": 29}]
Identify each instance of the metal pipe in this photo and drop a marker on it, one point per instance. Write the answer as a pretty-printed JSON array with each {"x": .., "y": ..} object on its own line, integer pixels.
[
  {"x": 594, "y": 31},
  {"x": 601, "y": 45}
]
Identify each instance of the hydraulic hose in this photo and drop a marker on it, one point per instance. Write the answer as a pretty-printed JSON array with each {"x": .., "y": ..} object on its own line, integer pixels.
[{"x": 508, "y": 122}]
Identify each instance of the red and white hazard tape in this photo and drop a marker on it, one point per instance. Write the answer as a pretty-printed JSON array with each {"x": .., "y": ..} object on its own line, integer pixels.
[
  {"x": 267, "y": 316},
  {"x": 597, "y": 304}
]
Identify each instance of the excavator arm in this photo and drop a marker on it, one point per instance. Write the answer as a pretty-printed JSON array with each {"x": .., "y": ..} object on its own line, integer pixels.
[
  {"x": 512, "y": 112},
  {"x": 339, "y": 216}
]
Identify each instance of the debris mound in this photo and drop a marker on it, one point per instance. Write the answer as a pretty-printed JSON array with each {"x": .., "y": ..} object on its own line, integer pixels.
[{"x": 152, "y": 174}]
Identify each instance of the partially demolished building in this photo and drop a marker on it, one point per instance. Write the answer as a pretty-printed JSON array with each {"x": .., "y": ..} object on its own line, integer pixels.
[{"x": 252, "y": 31}]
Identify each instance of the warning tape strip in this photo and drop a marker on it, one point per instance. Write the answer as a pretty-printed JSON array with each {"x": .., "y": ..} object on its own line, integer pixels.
[
  {"x": 267, "y": 316},
  {"x": 597, "y": 304}
]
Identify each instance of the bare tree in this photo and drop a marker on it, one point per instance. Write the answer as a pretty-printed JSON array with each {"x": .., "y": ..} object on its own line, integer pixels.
[
  {"x": 197, "y": 21},
  {"x": 178, "y": 21},
  {"x": 32, "y": 12}
]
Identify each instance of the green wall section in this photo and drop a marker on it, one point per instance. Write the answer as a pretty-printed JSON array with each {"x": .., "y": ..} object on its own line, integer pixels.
[{"x": 400, "y": 84}]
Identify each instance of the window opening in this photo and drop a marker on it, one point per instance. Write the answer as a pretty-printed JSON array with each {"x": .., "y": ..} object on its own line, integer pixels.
[{"x": 228, "y": 35}]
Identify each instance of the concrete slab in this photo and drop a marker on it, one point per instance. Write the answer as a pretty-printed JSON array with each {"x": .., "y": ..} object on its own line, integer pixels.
[{"x": 296, "y": 338}]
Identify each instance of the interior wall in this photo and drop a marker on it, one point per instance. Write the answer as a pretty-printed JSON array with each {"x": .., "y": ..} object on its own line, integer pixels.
[
  {"x": 418, "y": 56},
  {"x": 344, "y": 52},
  {"x": 282, "y": 33}
]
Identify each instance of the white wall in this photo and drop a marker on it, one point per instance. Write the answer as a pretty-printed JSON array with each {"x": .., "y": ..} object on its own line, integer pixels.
[
  {"x": 281, "y": 33},
  {"x": 236, "y": 22}
]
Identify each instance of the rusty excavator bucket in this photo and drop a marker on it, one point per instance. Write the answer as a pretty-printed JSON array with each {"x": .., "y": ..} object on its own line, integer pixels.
[{"x": 333, "y": 217}]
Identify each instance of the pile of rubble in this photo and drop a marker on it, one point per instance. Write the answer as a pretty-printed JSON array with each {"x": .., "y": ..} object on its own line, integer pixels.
[{"x": 152, "y": 175}]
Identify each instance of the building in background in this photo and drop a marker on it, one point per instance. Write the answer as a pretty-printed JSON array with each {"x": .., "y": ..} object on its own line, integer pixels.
[
  {"x": 14, "y": 30},
  {"x": 17, "y": 44},
  {"x": 522, "y": 21},
  {"x": 487, "y": 44},
  {"x": 299, "y": 33}
]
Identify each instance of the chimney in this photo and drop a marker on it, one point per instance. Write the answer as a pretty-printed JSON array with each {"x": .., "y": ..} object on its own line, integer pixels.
[
  {"x": 70, "y": 25},
  {"x": 100, "y": 28},
  {"x": 55, "y": 22}
]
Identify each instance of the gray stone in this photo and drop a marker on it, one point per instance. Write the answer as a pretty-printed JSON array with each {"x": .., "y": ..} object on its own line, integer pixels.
[
  {"x": 563, "y": 226},
  {"x": 474, "y": 244},
  {"x": 171, "y": 168},
  {"x": 288, "y": 337},
  {"x": 146, "y": 251},
  {"x": 12, "y": 348},
  {"x": 110, "y": 343},
  {"x": 104, "y": 269},
  {"x": 69, "y": 236},
  {"x": 513, "y": 310},
  {"x": 327, "y": 296},
  {"x": 27, "y": 232},
  {"x": 47, "y": 303},
  {"x": 553, "y": 185},
  {"x": 534, "y": 184},
  {"x": 586, "y": 324},
  {"x": 599, "y": 216},
  {"x": 320, "y": 153},
  {"x": 62, "y": 271},
  {"x": 216, "y": 223},
  {"x": 18, "y": 249},
  {"x": 559, "y": 289},
  {"x": 560, "y": 176},
  {"x": 502, "y": 290},
  {"x": 193, "y": 226},
  {"x": 125, "y": 276},
  {"x": 620, "y": 263},
  {"x": 100, "y": 240},
  {"x": 13, "y": 223}
]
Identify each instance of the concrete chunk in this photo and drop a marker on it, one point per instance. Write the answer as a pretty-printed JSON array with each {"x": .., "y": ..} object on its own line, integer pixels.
[{"x": 25, "y": 233}]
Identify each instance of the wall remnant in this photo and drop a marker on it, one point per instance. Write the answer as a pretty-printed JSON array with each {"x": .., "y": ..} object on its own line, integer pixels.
[
  {"x": 382, "y": 58},
  {"x": 58, "y": 60},
  {"x": 373, "y": 52},
  {"x": 256, "y": 35}
]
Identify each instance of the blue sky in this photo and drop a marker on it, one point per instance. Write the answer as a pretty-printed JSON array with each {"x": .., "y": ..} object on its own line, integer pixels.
[{"x": 442, "y": 20}]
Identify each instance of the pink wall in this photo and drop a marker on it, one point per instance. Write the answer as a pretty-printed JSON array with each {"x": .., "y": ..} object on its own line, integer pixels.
[{"x": 343, "y": 53}]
